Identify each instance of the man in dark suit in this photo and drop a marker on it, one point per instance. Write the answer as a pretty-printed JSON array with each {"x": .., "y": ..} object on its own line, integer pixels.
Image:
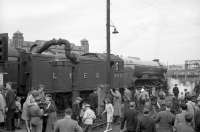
[
  {"x": 165, "y": 119},
  {"x": 176, "y": 90},
  {"x": 11, "y": 106},
  {"x": 67, "y": 124},
  {"x": 146, "y": 123},
  {"x": 130, "y": 117},
  {"x": 180, "y": 118},
  {"x": 93, "y": 100},
  {"x": 76, "y": 108}
]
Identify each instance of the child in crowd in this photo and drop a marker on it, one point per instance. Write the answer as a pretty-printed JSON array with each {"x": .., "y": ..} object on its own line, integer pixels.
[
  {"x": 88, "y": 118},
  {"x": 109, "y": 110},
  {"x": 18, "y": 112}
]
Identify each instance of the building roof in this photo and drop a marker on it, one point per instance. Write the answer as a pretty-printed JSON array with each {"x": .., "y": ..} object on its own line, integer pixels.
[{"x": 18, "y": 32}]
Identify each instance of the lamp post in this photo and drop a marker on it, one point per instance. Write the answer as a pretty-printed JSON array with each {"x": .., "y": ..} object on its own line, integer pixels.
[
  {"x": 108, "y": 79},
  {"x": 108, "y": 25}
]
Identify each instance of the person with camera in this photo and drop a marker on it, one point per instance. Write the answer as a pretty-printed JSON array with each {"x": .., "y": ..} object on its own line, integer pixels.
[
  {"x": 50, "y": 111},
  {"x": 36, "y": 113}
]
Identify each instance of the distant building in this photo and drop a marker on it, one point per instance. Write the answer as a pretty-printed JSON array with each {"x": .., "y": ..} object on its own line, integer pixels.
[
  {"x": 18, "y": 42},
  {"x": 192, "y": 64},
  {"x": 85, "y": 45},
  {"x": 184, "y": 73},
  {"x": 176, "y": 67}
]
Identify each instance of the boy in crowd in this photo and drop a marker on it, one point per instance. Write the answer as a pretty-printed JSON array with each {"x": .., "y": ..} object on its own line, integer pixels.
[
  {"x": 18, "y": 112},
  {"x": 88, "y": 118}
]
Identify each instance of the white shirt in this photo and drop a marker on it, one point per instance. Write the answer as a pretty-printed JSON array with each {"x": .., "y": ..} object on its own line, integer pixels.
[{"x": 88, "y": 117}]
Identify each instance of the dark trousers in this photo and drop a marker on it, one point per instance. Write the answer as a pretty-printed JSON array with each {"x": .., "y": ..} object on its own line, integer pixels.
[
  {"x": 130, "y": 131},
  {"x": 87, "y": 128},
  {"x": 2, "y": 125},
  {"x": 116, "y": 119},
  {"x": 10, "y": 120},
  {"x": 44, "y": 124}
]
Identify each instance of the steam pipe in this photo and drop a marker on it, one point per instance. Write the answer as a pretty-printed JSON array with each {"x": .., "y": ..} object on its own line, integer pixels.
[{"x": 58, "y": 42}]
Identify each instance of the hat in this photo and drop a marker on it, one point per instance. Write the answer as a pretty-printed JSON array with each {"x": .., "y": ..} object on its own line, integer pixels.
[
  {"x": 145, "y": 110},
  {"x": 87, "y": 105},
  {"x": 79, "y": 98}
]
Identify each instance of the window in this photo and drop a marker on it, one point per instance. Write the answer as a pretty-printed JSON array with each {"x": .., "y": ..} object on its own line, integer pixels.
[
  {"x": 70, "y": 75},
  {"x": 117, "y": 66}
]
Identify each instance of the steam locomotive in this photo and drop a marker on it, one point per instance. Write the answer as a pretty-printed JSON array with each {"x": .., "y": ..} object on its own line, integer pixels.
[{"x": 69, "y": 76}]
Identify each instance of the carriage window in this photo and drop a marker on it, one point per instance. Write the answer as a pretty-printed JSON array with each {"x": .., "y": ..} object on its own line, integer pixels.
[
  {"x": 70, "y": 75},
  {"x": 117, "y": 66}
]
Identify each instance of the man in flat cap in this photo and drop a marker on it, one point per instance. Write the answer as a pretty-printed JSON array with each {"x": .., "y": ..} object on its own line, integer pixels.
[
  {"x": 93, "y": 100},
  {"x": 67, "y": 124},
  {"x": 146, "y": 123},
  {"x": 130, "y": 117},
  {"x": 11, "y": 106},
  {"x": 76, "y": 108},
  {"x": 165, "y": 119}
]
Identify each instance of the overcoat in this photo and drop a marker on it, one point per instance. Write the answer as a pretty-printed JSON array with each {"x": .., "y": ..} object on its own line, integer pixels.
[
  {"x": 117, "y": 103},
  {"x": 2, "y": 108}
]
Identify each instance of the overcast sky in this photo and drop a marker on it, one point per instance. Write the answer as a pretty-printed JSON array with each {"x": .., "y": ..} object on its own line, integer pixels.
[{"x": 164, "y": 29}]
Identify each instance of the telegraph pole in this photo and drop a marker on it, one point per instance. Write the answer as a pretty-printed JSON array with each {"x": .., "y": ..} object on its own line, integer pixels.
[{"x": 108, "y": 44}]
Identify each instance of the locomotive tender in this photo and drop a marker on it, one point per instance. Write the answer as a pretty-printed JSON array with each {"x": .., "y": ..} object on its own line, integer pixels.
[{"x": 66, "y": 77}]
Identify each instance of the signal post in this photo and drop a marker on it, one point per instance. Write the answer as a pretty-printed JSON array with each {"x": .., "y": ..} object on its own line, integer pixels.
[{"x": 3, "y": 55}]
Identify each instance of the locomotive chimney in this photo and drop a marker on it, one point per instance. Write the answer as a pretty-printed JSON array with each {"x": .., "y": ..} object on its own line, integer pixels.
[{"x": 67, "y": 50}]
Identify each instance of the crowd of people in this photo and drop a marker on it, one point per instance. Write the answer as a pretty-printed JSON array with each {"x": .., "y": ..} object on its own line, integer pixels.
[
  {"x": 135, "y": 111},
  {"x": 10, "y": 108},
  {"x": 164, "y": 113},
  {"x": 38, "y": 111}
]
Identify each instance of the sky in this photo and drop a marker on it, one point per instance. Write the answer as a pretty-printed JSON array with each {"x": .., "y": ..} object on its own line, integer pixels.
[{"x": 165, "y": 29}]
